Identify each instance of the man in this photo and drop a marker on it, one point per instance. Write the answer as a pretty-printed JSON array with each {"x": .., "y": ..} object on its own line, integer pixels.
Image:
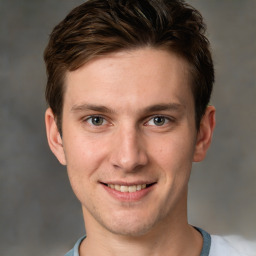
[{"x": 129, "y": 83}]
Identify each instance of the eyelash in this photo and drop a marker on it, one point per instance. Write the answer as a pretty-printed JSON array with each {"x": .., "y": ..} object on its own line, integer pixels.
[
  {"x": 166, "y": 120},
  {"x": 95, "y": 116}
]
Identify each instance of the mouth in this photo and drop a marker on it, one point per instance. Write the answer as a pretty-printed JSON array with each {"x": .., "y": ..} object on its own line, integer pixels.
[{"x": 128, "y": 189}]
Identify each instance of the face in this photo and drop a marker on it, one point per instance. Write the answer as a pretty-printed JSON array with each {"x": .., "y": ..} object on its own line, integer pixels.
[{"x": 129, "y": 139}]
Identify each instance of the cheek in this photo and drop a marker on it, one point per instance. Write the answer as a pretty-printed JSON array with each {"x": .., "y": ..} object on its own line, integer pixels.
[
  {"x": 84, "y": 155},
  {"x": 84, "y": 158},
  {"x": 173, "y": 149},
  {"x": 173, "y": 154}
]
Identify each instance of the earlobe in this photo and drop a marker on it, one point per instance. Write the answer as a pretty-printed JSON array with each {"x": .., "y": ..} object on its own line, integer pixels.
[
  {"x": 53, "y": 136},
  {"x": 204, "y": 135}
]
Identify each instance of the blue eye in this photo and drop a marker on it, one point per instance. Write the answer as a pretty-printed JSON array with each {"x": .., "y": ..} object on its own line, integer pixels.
[
  {"x": 96, "y": 120},
  {"x": 158, "y": 121}
]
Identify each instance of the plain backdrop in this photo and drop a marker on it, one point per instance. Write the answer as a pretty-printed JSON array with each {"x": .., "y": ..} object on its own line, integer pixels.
[{"x": 39, "y": 215}]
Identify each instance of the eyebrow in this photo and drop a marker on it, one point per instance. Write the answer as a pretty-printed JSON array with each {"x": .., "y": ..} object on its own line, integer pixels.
[
  {"x": 150, "y": 109},
  {"x": 86, "y": 107},
  {"x": 164, "y": 107}
]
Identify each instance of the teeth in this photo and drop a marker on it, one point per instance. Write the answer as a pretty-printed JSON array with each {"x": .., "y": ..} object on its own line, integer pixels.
[
  {"x": 130, "y": 189},
  {"x": 117, "y": 187},
  {"x": 124, "y": 188}
]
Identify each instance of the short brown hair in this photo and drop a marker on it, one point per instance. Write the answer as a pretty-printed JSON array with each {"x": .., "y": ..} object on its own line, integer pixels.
[{"x": 99, "y": 27}]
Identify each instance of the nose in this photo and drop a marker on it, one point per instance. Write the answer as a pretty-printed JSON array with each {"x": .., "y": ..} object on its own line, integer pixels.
[{"x": 129, "y": 152}]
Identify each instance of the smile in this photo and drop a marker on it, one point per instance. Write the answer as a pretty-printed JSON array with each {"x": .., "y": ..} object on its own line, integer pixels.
[
  {"x": 130, "y": 189},
  {"x": 130, "y": 192}
]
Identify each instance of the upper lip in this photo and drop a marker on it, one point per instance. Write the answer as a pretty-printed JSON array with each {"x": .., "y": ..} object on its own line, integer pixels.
[{"x": 126, "y": 183}]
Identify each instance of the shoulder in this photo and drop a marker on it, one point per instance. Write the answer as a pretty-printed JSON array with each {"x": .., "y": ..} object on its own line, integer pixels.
[{"x": 231, "y": 246}]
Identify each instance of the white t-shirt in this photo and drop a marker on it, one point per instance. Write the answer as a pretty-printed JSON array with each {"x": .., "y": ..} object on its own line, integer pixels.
[{"x": 231, "y": 246}]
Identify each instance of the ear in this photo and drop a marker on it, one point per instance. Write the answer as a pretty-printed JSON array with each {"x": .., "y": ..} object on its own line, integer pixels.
[
  {"x": 53, "y": 136},
  {"x": 204, "y": 136}
]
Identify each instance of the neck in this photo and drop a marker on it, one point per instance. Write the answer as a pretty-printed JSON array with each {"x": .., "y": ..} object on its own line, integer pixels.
[
  {"x": 172, "y": 236},
  {"x": 186, "y": 243}
]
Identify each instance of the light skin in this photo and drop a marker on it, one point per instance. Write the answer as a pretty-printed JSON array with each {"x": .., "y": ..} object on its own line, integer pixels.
[{"x": 129, "y": 120}]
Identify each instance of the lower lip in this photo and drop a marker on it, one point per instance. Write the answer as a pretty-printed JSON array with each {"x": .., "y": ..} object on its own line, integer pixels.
[{"x": 128, "y": 196}]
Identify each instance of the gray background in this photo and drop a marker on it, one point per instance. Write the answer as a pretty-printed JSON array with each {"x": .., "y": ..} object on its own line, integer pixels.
[{"x": 39, "y": 214}]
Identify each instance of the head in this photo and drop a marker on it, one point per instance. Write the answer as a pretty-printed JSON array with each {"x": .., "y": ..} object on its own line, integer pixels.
[
  {"x": 128, "y": 86},
  {"x": 100, "y": 27}
]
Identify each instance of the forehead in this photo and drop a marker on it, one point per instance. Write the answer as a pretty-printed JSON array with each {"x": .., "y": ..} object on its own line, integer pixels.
[{"x": 137, "y": 78}]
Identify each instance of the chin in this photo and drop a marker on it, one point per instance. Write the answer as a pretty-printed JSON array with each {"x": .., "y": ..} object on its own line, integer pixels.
[
  {"x": 134, "y": 231},
  {"x": 132, "y": 227}
]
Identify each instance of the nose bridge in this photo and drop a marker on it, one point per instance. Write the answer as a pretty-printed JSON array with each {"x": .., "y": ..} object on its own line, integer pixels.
[{"x": 128, "y": 150}]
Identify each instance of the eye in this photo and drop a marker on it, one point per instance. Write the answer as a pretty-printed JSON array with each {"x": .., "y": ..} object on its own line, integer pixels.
[
  {"x": 96, "y": 120},
  {"x": 158, "y": 121}
]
